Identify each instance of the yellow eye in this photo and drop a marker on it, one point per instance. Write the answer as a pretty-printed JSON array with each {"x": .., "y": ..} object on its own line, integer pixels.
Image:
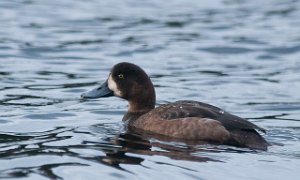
[{"x": 121, "y": 76}]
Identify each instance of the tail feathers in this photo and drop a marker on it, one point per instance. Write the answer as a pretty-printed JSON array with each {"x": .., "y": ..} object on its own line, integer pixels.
[{"x": 248, "y": 138}]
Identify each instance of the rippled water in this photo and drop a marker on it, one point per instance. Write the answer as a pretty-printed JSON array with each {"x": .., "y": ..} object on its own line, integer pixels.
[{"x": 240, "y": 55}]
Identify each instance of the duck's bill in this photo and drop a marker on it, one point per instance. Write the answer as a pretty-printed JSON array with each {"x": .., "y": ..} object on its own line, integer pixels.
[{"x": 98, "y": 92}]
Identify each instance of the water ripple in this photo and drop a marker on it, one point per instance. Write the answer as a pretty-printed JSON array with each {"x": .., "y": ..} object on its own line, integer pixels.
[{"x": 238, "y": 55}]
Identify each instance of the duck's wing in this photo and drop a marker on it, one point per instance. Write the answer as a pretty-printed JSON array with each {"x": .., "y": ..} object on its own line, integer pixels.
[{"x": 183, "y": 109}]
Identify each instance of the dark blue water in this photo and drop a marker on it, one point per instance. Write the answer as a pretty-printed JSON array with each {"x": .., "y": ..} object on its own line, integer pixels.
[{"x": 243, "y": 56}]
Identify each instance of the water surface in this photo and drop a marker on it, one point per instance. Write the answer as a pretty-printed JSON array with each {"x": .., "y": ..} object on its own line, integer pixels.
[{"x": 242, "y": 56}]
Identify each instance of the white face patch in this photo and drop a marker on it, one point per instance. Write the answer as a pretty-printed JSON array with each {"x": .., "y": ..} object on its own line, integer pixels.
[{"x": 112, "y": 85}]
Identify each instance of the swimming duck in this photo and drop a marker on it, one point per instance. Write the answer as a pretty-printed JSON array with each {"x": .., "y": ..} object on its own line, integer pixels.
[{"x": 184, "y": 120}]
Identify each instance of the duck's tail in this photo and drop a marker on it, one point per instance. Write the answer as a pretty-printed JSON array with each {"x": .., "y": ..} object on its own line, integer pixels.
[{"x": 248, "y": 138}]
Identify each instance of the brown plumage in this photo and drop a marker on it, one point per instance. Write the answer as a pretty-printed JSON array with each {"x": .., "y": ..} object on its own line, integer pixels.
[{"x": 182, "y": 120}]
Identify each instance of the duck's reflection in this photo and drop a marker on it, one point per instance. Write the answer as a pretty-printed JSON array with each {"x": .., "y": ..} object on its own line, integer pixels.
[{"x": 138, "y": 144}]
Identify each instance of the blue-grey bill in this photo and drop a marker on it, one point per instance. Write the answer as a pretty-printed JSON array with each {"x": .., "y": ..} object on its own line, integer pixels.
[{"x": 98, "y": 92}]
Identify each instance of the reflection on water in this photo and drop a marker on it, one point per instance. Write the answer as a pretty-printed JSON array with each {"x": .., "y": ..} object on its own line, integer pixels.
[
  {"x": 115, "y": 151},
  {"x": 238, "y": 55}
]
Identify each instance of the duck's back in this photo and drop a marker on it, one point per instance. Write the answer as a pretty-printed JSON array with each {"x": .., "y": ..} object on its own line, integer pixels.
[{"x": 197, "y": 120}]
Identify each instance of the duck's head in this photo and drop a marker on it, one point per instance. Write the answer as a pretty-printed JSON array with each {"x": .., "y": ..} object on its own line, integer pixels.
[{"x": 130, "y": 82}]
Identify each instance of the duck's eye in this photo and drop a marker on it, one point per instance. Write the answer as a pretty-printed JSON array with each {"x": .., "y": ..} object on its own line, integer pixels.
[{"x": 121, "y": 76}]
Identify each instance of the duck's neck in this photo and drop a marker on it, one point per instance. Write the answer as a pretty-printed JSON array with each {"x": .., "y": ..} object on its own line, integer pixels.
[
  {"x": 140, "y": 104},
  {"x": 135, "y": 110}
]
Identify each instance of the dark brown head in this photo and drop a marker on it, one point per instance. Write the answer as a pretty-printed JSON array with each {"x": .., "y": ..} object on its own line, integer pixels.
[{"x": 129, "y": 82}]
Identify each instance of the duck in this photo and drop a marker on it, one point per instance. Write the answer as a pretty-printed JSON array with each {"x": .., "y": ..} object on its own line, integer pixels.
[{"x": 181, "y": 120}]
